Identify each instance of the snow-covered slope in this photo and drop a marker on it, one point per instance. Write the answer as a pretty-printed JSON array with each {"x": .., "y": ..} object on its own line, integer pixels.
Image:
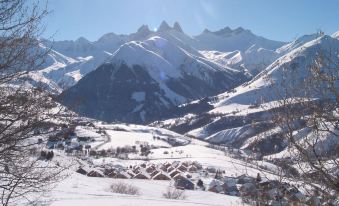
[
  {"x": 296, "y": 43},
  {"x": 253, "y": 60},
  {"x": 144, "y": 79},
  {"x": 335, "y": 35},
  {"x": 238, "y": 116},
  {"x": 300, "y": 58},
  {"x": 228, "y": 40}
]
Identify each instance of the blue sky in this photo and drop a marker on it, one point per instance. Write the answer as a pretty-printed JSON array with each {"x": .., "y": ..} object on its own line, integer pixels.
[{"x": 275, "y": 19}]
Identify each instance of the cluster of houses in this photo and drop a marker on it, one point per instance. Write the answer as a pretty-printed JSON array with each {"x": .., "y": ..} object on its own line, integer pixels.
[
  {"x": 180, "y": 172},
  {"x": 68, "y": 141},
  {"x": 189, "y": 176},
  {"x": 263, "y": 190}
]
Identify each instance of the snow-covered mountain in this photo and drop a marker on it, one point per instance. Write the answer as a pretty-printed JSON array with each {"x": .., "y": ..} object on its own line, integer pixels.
[
  {"x": 69, "y": 60},
  {"x": 253, "y": 60},
  {"x": 238, "y": 117},
  {"x": 299, "y": 58},
  {"x": 335, "y": 35},
  {"x": 143, "y": 80},
  {"x": 227, "y": 40}
]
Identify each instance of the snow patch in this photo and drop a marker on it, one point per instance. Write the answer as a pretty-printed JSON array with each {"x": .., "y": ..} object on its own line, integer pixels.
[{"x": 139, "y": 96}]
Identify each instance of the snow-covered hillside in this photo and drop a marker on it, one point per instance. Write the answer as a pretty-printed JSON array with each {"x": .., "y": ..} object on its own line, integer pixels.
[
  {"x": 238, "y": 117},
  {"x": 227, "y": 40},
  {"x": 298, "y": 60},
  {"x": 143, "y": 80}
]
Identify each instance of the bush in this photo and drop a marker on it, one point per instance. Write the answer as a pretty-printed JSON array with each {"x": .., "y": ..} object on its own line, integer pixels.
[
  {"x": 124, "y": 188},
  {"x": 174, "y": 194}
]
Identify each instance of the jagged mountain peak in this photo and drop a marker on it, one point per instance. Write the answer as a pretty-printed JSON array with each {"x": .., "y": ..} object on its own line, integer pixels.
[
  {"x": 177, "y": 27},
  {"x": 107, "y": 37},
  {"x": 164, "y": 26},
  {"x": 144, "y": 29},
  {"x": 82, "y": 40},
  {"x": 227, "y": 31},
  {"x": 335, "y": 35}
]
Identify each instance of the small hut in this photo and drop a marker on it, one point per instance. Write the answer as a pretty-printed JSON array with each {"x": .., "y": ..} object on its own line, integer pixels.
[
  {"x": 182, "y": 168},
  {"x": 174, "y": 172},
  {"x": 179, "y": 176},
  {"x": 95, "y": 173},
  {"x": 216, "y": 186},
  {"x": 131, "y": 173},
  {"x": 150, "y": 169},
  {"x": 186, "y": 164},
  {"x": 162, "y": 176},
  {"x": 143, "y": 175},
  {"x": 184, "y": 184},
  {"x": 197, "y": 165},
  {"x": 143, "y": 165},
  {"x": 175, "y": 164},
  {"x": 155, "y": 172},
  {"x": 111, "y": 174},
  {"x": 170, "y": 169},
  {"x": 211, "y": 169},
  {"x": 82, "y": 171},
  {"x": 165, "y": 166},
  {"x": 123, "y": 175},
  {"x": 192, "y": 168}
]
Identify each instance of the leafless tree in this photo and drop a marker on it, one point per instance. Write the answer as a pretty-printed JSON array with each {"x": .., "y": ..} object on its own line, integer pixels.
[
  {"x": 307, "y": 118},
  {"x": 23, "y": 110}
]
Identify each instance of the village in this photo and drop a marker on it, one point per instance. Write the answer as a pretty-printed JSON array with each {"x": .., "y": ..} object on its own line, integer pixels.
[
  {"x": 193, "y": 176},
  {"x": 89, "y": 145}
]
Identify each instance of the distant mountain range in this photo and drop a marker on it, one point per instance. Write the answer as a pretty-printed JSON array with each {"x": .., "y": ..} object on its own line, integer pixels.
[
  {"x": 70, "y": 60},
  {"x": 143, "y": 76}
]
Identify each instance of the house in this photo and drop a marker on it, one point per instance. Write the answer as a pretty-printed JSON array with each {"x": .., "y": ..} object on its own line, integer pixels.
[
  {"x": 211, "y": 169},
  {"x": 248, "y": 189},
  {"x": 131, "y": 173},
  {"x": 188, "y": 175},
  {"x": 112, "y": 174},
  {"x": 155, "y": 172},
  {"x": 174, "y": 173},
  {"x": 123, "y": 175},
  {"x": 175, "y": 164},
  {"x": 184, "y": 184},
  {"x": 143, "y": 165},
  {"x": 108, "y": 171},
  {"x": 150, "y": 169},
  {"x": 84, "y": 139},
  {"x": 161, "y": 176},
  {"x": 82, "y": 171},
  {"x": 95, "y": 173},
  {"x": 230, "y": 181},
  {"x": 216, "y": 186},
  {"x": 186, "y": 164},
  {"x": 169, "y": 169},
  {"x": 165, "y": 166},
  {"x": 192, "y": 168},
  {"x": 197, "y": 165},
  {"x": 243, "y": 179},
  {"x": 179, "y": 176},
  {"x": 143, "y": 175},
  {"x": 136, "y": 169},
  {"x": 182, "y": 168},
  {"x": 229, "y": 186}
]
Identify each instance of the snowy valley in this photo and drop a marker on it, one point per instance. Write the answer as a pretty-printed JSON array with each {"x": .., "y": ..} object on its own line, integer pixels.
[{"x": 160, "y": 117}]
